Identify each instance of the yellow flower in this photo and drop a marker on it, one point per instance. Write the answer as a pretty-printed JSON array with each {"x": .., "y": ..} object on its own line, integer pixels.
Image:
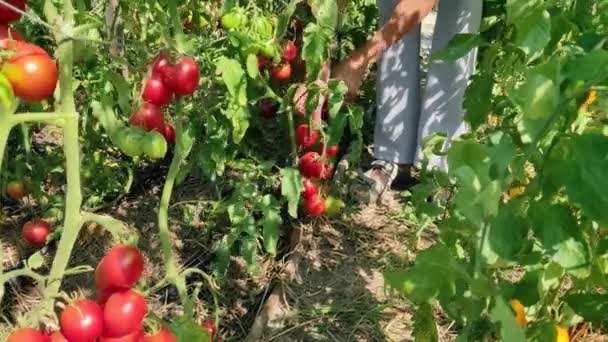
[
  {"x": 519, "y": 312},
  {"x": 590, "y": 99}
]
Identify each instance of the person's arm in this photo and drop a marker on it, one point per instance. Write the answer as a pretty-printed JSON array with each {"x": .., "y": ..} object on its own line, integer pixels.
[{"x": 407, "y": 15}]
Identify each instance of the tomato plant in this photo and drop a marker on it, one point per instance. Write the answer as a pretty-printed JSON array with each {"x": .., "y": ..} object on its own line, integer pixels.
[{"x": 17, "y": 189}]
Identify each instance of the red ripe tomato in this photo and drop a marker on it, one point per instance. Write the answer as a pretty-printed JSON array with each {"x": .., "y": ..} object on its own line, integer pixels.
[
  {"x": 331, "y": 151},
  {"x": 27, "y": 335},
  {"x": 169, "y": 133},
  {"x": 36, "y": 232},
  {"x": 136, "y": 336},
  {"x": 8, "y": 15},
  {"x": 182, "y": 78},
  {"x": 305, "y": 137},
  {"x": 21, "y": 49},
  {"x": 7, "y": 32},
  {"x": 21, "y": 71},
  {"x": 161, "y": 63},
  {"x": 164, "y": 335},
  {"x": 290, "y": 52},
  {"x": 123, "y": 313},
  {"x": 120, "y": 268},
  {"x": 310, "y": 188},
  {"x": 58, "y": 337},
  {"x": 82, "y": 321},
  {"x": 310, "y": 165},
  {"x": 314, "y": 205},
  {"x": 210, "y": 326},
  {"x": 149, "y": 117},
  {"x": 281, "y": 72},
  {"x": 268, "y": 108},
  {"x": 155, "y": 91},
  {"x": 17, "y": 189},
  {"x": 262, "y": 62},
  {"x": 327, "y": 172}
]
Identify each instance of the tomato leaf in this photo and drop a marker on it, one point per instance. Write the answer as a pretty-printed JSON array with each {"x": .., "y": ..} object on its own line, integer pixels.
[
  {"x": 478, "y": 101},
  {"x": 232, "y": 74},
  {"x": 509, "y": 329},
  {"x": 314, "y": 52},
  {"x": 122, "y": 88},
  {"x": 508, "y": 231},
  {"x": 291, "y": 188},
  {"x": 589, "y": 67},
  {"x": 249, "y": 248},
  {"x": 591, "y": 306},
  {"x": 458, "y": 47},
  {"x": 185, "y": 330},
  {"x": 271, "y": 223},
  {"x": 252, "y": 66},
  {"x": 326, "y": 12},
  {"x": 533, "y": 33},
  {"x": 537, "y": 98},
  {"x": 284, "y": 18},
  {"x": 518, "y": 9}
]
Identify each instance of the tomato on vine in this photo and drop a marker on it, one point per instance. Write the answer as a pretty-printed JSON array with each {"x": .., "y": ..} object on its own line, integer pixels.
[
  {"x": 211, "y": 329},
  {"x": 21, "y": 70},
  {"x": 281, "y": 72},
  {"x": 35, "y": 233},
  {"x": 262, "y": 61},
  {"x": 311, "y": 165},
  {"x": 310, "y": 188},
  {"x": 27, "y": 335},
  {"x": 161, "y": 63},
  {"x": 120, "y": 268},
  {"x": 57, "y": 337},
  {"x": 182, "y": 78},
  {"x": 150, "y": 117},
  {"x": 306, "y": 137},
  {"x": 230, "y": 21},
  {"x": 7, "y": 14},
  {"x": 82, "y": 321},
  {"x": 155, "y": 145},
  {"x": 314, "y": 205},
  {"x": 163, "y": 335},
  {"x": 135, "y": 336},
  {"x": 333, "y": 206},
  {"x": 155, "y": 91},
  {"x": 17, "y": 189},
  {"x": 123, "y": 313},
  {"x": 169, "y": 133},
  {"x": 290, "y": 52},
  {"x": 330, "y": 151}
]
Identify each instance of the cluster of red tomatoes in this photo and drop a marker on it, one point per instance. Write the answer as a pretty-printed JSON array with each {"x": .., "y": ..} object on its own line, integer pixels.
[
  {"x": 118, "y": 313},
  {"x": 30, "y": 70},
  {"x": 281, "y": 71},
  {"x": 149, "y": 132}
]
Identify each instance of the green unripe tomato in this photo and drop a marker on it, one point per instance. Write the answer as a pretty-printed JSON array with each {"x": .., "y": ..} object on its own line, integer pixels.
[
  {"x": 131, "y": 142},
  {"x": 333, "y": 206},
  {"x": 230, "y": 21},
  {"x": 155, "y": 145}
]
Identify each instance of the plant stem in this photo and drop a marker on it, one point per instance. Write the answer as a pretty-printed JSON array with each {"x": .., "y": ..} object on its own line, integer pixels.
[
  {"x": 292, "y": 136},
  {"x": 39, "y": 117},
  {"x": 73, "y": 202},
  {"x": 163, "y": 220},
  {"x": 478, "y": 257}
]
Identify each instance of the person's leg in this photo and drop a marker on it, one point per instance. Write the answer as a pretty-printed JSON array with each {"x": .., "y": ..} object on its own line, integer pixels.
[
  {"x": 397, "y": 95},
  {"x": 398, "y": 106},
  {"x": 446, "y": 82}
]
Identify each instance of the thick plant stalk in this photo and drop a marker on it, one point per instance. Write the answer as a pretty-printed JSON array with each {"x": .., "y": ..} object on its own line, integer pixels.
[
  {"x": 173, "y": 275},
  {"x": 72, "y": 222}
]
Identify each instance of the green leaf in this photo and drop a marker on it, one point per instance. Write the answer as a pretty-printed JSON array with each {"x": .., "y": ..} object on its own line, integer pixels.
[
  {"x": 314, "y": 52},
  {"x": 336, "y": 128},
  {"x": 435, "y": 271},
  {"x": 478, "y": 101},
  {"x": 239, "y": 117},
  {"x": 271, "y": 222},
  {"x": 589, "y": 67},
  {"x": 533, "y": 33},
  {"x": 517, "y": 10},
  {"x": 537, "y": 98},
  {"x": 35, "y": 261},
  {"x": 232, "y": 74},
  {"x": 103, "y": 111},
  {"x": 291, "y": 188},
  {"x": 541, "y": 331},
  {"x": 8, "y": 103},
  {"x": 326, "y": 12},
  {"x": 508, "y": 231},
  {"x": 509, "y": 329},
  {"x": 284, "y": 18},
  {"x": 337, "y": 90},
  {"x": 458, "y": 47},
  {"x": 578, "y": 164},
  {"x": 425, "y": 329},
  {"x": 122, "y": 88},
  {"x": 355, "y": 118},
  {"x": 552, "y": 224},
  {"x": 252, "y": 66},
  {"x": 573, "y": 257},
  {"x": 591, "y": 306},
  {"x": 249, "y": 247},
  {"x": 186, "y": 330}
]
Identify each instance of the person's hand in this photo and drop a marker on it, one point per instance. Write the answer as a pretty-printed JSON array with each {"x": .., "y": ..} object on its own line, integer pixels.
[{"x": 351, "y": 71}]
